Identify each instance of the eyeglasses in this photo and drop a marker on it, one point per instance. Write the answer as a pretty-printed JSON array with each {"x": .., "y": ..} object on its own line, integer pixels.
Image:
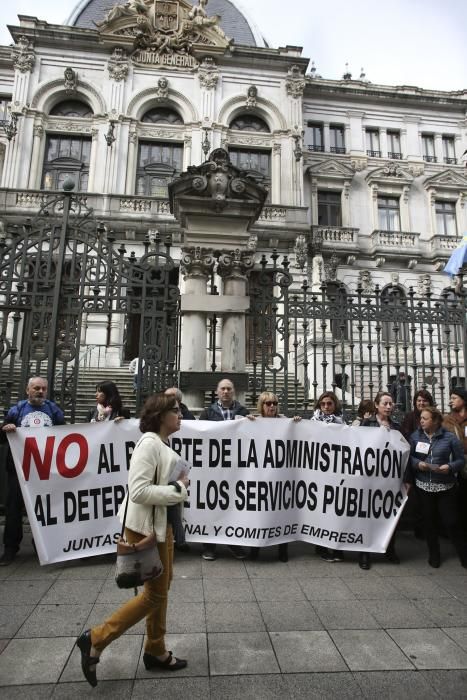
[{"x": 271, "y": 403}]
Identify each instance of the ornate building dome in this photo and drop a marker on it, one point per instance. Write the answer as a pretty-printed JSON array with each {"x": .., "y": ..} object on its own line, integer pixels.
[{"x": 235, "y": 22}]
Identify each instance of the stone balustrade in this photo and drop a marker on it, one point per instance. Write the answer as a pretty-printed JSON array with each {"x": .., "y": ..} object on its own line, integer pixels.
[{"x": 391, "y": 240}]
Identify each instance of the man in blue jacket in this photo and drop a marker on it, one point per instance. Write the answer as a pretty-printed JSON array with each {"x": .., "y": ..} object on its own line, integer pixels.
[
  {"x": 225, "y": 408},
  {"x": 34, "y": 412}
]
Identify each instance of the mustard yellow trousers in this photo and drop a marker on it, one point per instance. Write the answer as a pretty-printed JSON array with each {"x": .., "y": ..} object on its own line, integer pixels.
[{"x": 151, "y": 603}]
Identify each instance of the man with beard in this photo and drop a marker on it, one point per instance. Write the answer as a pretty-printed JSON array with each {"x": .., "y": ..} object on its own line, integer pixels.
[{"x": 34, "y": 412}]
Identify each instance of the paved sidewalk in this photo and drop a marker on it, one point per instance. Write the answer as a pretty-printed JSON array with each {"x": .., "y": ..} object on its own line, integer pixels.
[{"x": 261, "y": 630}]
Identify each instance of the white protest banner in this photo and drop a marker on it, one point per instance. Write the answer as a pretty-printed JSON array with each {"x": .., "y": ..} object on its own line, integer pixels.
[{"x": 254, "y": 483}]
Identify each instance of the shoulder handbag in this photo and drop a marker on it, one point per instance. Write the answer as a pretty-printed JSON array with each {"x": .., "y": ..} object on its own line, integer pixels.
[{"x": 139, "y": 562}]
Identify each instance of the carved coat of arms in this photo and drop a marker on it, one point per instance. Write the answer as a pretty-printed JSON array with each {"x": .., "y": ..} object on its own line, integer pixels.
[{"x": 166, "y": 16}]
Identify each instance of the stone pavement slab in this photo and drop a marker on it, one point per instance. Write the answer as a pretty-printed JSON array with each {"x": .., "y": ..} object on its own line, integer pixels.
[
  {"x": 322, "y": 686},
  {"x": 174, "y": 688},
  {"x": 241, "y": 653},
  {"x": 342, "y": 614},
  {"x": 299, "y": 652},
  {"x": 32, "y": 661},
  {"x": 268, "y": 687},
  {"x": 54, "y": 621},
  {"x": 430, "y": 648},
  {"x": 448, "y": 684},
  {"x": 234, "y": 617},
  {"x": 12, "y": 617},
  {"x": 458, "y": 634},
  {"x": 394, "y": 685},
  {"x": 397, "y": 613},
  {"x": 118, "y": 661},
  {"x": 369, "y": 650},
  {"x": 112, "y": 690},
  {"x": 192, "y": 647},
  {"x": 288, "y": 616}
]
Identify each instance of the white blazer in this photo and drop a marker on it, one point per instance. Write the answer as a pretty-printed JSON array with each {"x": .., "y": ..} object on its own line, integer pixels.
[{"x": 151, "y": 454}]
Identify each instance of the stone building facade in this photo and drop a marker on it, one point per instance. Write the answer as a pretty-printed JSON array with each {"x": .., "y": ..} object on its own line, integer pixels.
[{"x": 366, "y": 184}]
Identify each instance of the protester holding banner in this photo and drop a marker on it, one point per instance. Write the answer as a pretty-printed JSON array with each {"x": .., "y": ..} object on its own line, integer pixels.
[
  {"x": 150, "y": 492},
  {"x": 411, "y": 421},
  {"x": 328, "y": 410},
  {"x": 437, "y": 457},
  {"x": 456, "y": 422},
  {"x": 268, "y": 407},
  {"x": 108, "y": 404},
  {"x": 34, "y": 412},
  {"x": 225, "y": 408},
  {"x": 177, "y": 394},
  {"x": 382, "y": 418}
]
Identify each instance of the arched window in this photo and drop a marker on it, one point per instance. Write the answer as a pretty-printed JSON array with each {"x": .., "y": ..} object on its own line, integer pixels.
[
  {"x": 249, "y": 122},
  {"x": 71, "y": 108},
  {"x": 162, "y": 115},
  {"x": 393, "y": 308},
  {"x": 66, "y": 156}
]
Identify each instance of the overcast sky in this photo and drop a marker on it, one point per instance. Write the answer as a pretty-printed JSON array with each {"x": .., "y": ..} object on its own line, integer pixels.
[{"x": 403, "y": 42}]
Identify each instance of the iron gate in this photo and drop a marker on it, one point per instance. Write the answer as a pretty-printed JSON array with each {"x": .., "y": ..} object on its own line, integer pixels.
[
  {"x": 62, "y": 268},
  {"x": 305, "y": 342}
]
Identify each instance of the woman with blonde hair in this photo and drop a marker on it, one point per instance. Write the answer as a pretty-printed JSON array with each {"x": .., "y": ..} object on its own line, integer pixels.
[{"x": 268, "y": 407}]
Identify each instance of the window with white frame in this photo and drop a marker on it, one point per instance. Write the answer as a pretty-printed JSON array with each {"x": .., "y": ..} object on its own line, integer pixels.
[
  {"x": 428, "y": 148},
  {"x": 394, "y": 145},
  {"x": 337, "y": 138},
  {"x": 449, "y": 152},
  {"x": 389, "y": 214},
  {"x": 372, "y": 143},
  {"x": 446, "y": 218},
  {"x": 66, "y": 157},
  {"x": 316, "y": 137}
]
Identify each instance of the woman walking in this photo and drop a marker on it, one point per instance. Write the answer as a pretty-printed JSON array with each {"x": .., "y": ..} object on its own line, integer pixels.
[
  {"x": 149, "y": 494},
  {"x": 437, "y": 456}
]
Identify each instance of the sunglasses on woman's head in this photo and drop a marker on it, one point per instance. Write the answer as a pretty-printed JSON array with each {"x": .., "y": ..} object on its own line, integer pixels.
[{"x": 271, "y": 403}]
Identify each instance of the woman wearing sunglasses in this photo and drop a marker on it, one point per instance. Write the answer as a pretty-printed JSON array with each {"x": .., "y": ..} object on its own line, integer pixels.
[{"x": 268, "y": 407}]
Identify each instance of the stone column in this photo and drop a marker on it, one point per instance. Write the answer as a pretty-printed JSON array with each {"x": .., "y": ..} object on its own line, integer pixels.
[
  {"x": 439, "y": 148},
  {"x": 197, "y": 265},
  {"x": 234, "y": 267},
  {"x": 34, "y": 172}
]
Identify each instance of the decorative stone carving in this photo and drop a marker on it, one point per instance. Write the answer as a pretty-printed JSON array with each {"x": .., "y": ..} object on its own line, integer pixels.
[
  {"x": 71, "y": 81},
  {"x": 162, "y": 92},
  {"x": 252, "y": 243},
  {"x": 301, "y": 251},
  {"x": 295, "y": 82},
  {"x": 251, "y": 97},
  {"x": 235, "y": 264},
  {"x": 219, "y": 181},
  {"x": 23, "y": 55},
  {"x": 424, "y": 287},
  {"x": 330, "y": 268},
  {"x": 365, "y": 282},
  {"x": 118, "y": 64},
  {"x": 358, "y": 164},
  {"x": 276, "y": 148},
  {"x": 412, "y": 264},
  {"x": 164, "y": 32},
  {"x": 208, "y": 73},
  {"x": 38, "y": 130},
  {"x": 351, "y": 260},
  {"x": 379, "y": 261},
  {"x": 197, "y": 262},
  {"x": 395, "y": 279}
]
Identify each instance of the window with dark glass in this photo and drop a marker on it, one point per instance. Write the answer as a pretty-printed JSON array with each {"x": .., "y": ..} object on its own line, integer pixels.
[
  {"x": 249, "y": 122},
  {"x": 446, "y": 218},
  {"x": 71, "y": 108},
  {"x": 388, "y": 214},
  {"x": 428, "y": 148},
  {"x": 449, "y": 152},
  {"x": 394, "y": 145},
  {"x": 337, "y": 138},
  {"x": 329, "y": 208},
  {"x": 162, "y": 115},
  {"x": 315, "y": 135},
  {"x": 66, "y": 156},
  {"x": 5, "y": 104},
  {"x": 158, "y": 163},
  {"x": 372, "y": 143},
  {"x": 255, "y": 162}
]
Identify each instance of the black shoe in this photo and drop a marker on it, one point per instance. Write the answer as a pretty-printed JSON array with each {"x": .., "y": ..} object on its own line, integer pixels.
[
  {"x": 364, "y": 561},
  {"x": 152, "y": 663},
  {"x": 88, "y": 662},
  {"x": 209, "y": 553},
  {"x": 7, "y": 558},
  {"x": 237, "y": 551},
  {"x": 283, "y": 552},
  {"x": 434, "y": 561},
  {"x": 391, "y": 556}
]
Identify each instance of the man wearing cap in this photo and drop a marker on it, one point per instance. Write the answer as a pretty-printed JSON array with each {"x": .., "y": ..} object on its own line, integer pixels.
[
  {"x": 456, "y": 422},
  {"x": 34, "y": 412}
]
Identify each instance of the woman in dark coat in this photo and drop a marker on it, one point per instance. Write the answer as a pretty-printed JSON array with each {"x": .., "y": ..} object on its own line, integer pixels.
[
  {"x": 411, "y": 421},
  {"x": 437, "y": 457},
  {"x": 382, "y": 418},
  {"x": 108, "y": 404}
]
